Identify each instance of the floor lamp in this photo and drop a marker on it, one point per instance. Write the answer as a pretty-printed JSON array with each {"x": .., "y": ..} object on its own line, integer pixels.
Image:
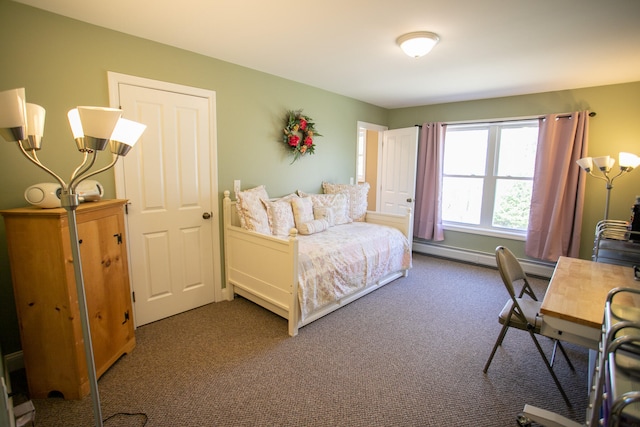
[
  {"x": 604, "y": 164},
  {"x": 93, "y": 129}
]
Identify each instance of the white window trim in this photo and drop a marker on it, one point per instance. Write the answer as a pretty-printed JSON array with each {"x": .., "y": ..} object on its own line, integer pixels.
[{"x": 483, "y": 229}]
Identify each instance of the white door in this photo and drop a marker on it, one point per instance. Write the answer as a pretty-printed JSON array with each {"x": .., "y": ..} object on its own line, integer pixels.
[
  {"x": 397, "y": 164},
  {"x": 169, "y": 178}
]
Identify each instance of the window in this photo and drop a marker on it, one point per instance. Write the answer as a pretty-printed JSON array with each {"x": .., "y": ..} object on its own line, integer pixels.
[{"x": 488, "y": 176}]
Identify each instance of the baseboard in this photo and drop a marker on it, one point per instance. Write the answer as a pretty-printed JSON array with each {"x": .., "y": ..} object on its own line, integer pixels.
[
  {"x": 531, "y": 267},
  {"x": 14, "y": 361}
]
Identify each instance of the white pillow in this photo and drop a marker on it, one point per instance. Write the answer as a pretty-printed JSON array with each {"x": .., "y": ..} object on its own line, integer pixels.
[
  {"x": 280, "y": 216},
  {"x": 357, "y": 194},
  {"x": 251, "y": 210},
  {"x": 302, "y": 210},
  {"x": 337, "y": 203}
]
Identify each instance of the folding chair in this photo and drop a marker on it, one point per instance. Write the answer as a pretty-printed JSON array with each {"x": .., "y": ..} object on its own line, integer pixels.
[{"x": 522, "y": 313}]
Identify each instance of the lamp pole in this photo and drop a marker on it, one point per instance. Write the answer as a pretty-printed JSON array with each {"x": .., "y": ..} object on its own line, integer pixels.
[
  {"x": 606, "y": 203},
  {"x": 69, "y": 201}
]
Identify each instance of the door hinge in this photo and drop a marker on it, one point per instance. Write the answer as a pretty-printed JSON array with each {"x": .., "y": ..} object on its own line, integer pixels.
[
  {"x": 126, "y": 208},
  {"x": 119, "y": 236},
  {"x": 133, "y": 296}
]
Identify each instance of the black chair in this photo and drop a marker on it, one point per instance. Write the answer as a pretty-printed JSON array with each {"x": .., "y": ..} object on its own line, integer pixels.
[{"x": 522, "y": 313}]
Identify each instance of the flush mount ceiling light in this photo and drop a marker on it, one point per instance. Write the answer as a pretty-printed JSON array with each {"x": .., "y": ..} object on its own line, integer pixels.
[{"x": 418, "y": 43}]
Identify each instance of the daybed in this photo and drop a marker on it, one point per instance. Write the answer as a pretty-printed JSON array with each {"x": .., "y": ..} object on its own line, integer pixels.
[{"x": 303, "y": 256}]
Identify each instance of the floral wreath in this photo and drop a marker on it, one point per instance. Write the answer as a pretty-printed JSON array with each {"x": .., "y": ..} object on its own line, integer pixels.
[{"x": 299, "y": 132}]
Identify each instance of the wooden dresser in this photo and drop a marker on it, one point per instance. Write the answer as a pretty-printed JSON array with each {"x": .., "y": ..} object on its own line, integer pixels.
[{"x": 46, "y": 298}]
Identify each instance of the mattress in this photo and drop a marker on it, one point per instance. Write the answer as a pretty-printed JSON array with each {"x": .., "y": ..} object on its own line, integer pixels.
[{"x": 346, "y": 258}]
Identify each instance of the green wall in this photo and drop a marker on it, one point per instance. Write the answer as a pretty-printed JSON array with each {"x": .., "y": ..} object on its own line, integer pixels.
[
  {"x": 63, "y": 63},
  {"x": 615, "y": 128}
]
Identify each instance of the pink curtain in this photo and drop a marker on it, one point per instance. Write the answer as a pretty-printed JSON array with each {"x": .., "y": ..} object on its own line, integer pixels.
[
  {"x": 557, "y": 200},
  {"x": 427, "y": 221}
]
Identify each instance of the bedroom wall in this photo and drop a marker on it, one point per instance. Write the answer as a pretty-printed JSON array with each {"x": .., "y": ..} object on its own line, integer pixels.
[
  {"x": 615, "y": 128},
  {"x": 63, "y": 63}
]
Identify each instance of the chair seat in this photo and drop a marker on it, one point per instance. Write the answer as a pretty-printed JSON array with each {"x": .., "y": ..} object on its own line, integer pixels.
[{"x": 531, "y": 310}]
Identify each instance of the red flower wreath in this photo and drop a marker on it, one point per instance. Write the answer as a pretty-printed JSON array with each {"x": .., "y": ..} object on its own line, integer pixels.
[{"x": 299, "y": 132}]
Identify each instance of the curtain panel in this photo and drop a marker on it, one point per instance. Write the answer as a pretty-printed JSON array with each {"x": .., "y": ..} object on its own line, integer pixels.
[
  {"x": 557, "y": 197},
  {"x": 428, "y": 207}
]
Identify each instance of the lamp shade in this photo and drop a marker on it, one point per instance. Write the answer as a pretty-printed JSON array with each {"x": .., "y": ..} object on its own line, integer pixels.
[
  {"x": 418, "y": 43},
  {"x": 97, "y": 125},
  {"x": 628, "y": 160},
  {"x": 35, "y": 119},
  {"x": 125, "y": 135},
  {"x": 604, "y": 163},
  {"x": 99, "y": 122},
  {"x": 35, "y": 127},
  {"x": 13, "y": 114},
  {"x": 585, "y": 163},
  {"x": 75, "y": 123}
]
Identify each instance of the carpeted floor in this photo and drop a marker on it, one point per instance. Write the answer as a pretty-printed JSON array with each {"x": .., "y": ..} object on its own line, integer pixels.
[{"x": 409, "y": 354}]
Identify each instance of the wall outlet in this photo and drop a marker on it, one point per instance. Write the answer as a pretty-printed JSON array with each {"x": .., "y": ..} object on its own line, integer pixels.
[
  {"x": 351, "y": 180},
  {"x": 236, "y": 186}
]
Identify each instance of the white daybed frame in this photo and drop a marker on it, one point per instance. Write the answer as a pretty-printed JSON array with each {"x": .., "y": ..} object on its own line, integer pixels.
[{"x": 264, "y": 269}]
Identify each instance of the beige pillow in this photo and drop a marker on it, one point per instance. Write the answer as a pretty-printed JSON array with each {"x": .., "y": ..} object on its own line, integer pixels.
[
  {"x": 357, "y": 194},
  {"x": 326, "y": 213},
  {"x": 302, "y": 210},
  {"x": 337, "y": 203},
  {"x": 251, "y": 210},
  {"x": 280, "y": 217},
  {"x": 315, "y": 226}
]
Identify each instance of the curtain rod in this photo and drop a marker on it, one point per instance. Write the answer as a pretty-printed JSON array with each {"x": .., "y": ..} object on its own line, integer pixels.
[{"x": 510, "y": 119}]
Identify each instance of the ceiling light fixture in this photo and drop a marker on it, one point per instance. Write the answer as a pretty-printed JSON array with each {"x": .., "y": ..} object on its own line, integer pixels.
[{"x": 418, "y": 43}]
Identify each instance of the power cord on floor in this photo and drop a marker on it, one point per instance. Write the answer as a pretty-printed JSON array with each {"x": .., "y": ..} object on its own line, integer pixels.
[{"x": 128, "y": 414}]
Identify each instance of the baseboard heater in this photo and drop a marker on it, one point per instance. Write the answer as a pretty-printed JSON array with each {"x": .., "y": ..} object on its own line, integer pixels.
[{"x": 534, "y": 268}]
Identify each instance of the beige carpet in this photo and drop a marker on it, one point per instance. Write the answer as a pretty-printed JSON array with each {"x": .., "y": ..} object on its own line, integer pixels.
[{"x": 409, "y": 354}]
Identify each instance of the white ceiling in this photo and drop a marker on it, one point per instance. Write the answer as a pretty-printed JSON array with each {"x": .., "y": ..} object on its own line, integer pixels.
[{"x": 488, "y": 48}]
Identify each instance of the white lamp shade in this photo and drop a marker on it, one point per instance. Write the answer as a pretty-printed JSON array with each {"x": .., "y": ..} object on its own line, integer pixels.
[
  {"x": 585, "y": 163},
  {"x": 35, "y": 119},
  {"x": 127, "y": 131},
  {"x": 75, "y": 123},
  {"x": 628, "y": 160},
  {"x": 604, "y": 162},
  {"x": 12, "y": 108},
  {"x": 417, "y": 44},
  {"x": 99, "y": 122}
]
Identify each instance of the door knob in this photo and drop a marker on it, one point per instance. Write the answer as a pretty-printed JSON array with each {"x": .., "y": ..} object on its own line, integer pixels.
[{"x": 206, "y": 215}]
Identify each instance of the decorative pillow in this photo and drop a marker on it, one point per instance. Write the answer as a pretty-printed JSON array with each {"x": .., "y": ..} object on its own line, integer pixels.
[
  {"x": 315, "y": 226},
  {"x": 357, "y": 194},
  {"x": 302, "y": 210},
  {"x": 251, "y": 210},
  {"x": 326, "y": 213},
  {"x": 337, "y": 203},
  {"x": 280, "y": 215}
]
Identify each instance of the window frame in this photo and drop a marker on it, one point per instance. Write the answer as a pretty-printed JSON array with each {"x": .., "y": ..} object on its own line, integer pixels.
[{"x": 490, "y": 178}]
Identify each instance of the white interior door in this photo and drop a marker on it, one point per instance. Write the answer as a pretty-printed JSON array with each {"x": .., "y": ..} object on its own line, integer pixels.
[
  {"x": 397, "y": 163},
  {"x": 169, "y": 178}
]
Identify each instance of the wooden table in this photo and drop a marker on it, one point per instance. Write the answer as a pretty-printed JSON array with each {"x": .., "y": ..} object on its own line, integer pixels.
[{"x": 573, "y": 306}]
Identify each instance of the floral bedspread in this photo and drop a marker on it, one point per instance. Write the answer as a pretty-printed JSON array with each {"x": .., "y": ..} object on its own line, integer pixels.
[{"x": 343, "y": 259}]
